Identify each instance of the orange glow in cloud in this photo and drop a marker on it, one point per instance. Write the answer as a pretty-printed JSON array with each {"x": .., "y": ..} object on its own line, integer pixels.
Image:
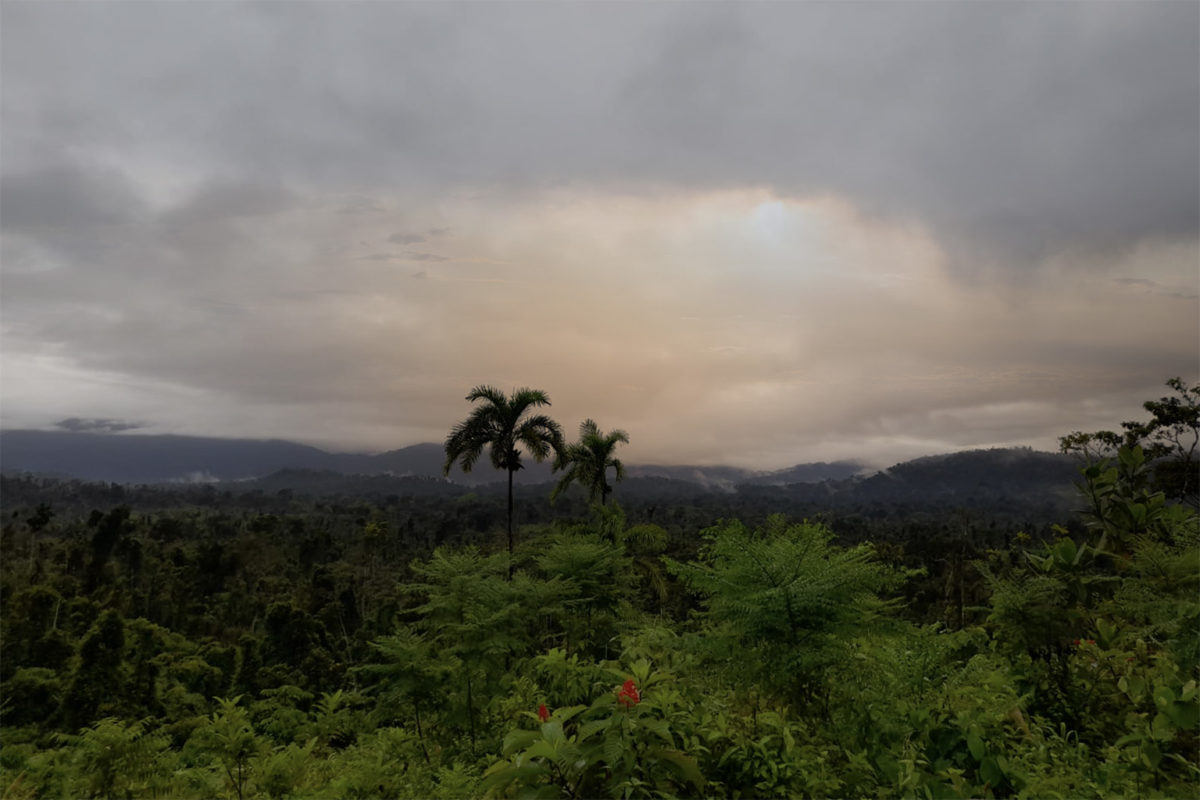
[{"x": 735, "y": 327}]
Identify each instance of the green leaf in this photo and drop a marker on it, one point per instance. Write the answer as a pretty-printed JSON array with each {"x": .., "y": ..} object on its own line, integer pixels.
[
  {"x": 614, "y": 746},
  {"x": 684, "y": 765},
  {"x": 990, "y": 771},
  {"x": 1151, "y": 755},
  {"x": 1162, "y": 729},
  {"x": 1107, "y": 632},
  {"x": 502, "y": 774},
  {"x": 1164, "y": 698},
  {"x": 518, "y": 740},
  {"x": 1129, "y": 738},
  {"x": 789, "y": 741},
  {"x": 589, "y": 729},
  {"x": 542, "y": 749},
  {"x": 661, "y": 728},
  {"x": 562, "y": 715},
  {"x": 1184, "y": 715},
  {"x": 976, "y": 746},
  {"x": 1065, "y": 552},
  {"x": 552, "y": 731}
]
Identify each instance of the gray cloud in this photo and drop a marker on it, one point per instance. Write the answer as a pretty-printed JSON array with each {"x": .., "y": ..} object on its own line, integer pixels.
[
  {"x": 187, "y": 194},
  {"x": 96, "y": 425},
  {"x": 406, "y": 238},
  {"x": 1020, "y": 128},
  {"x": 223, "y": 200},
  {"x": 1142, "y": 282},
  {"x": 1147, "y": 285},
  {"x": 68, "y": 195}
]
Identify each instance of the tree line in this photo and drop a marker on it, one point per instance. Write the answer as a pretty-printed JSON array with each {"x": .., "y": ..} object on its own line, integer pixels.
[
  {"x": 502, "y": 423},
  {"x": 361, "y": 649}
]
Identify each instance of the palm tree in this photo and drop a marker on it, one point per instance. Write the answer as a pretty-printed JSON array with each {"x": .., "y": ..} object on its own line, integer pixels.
[
  {"x": 498, "y": 425},
  {"x": 588, "y": 460}
]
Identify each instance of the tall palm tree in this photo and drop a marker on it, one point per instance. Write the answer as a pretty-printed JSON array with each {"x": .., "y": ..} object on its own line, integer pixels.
[
  {"x": 500, "y": 424},
  {"x": 588, "y": 461}
]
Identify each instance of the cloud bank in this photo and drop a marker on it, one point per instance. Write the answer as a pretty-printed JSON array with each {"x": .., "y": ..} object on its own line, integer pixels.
[{"x": 754, "y": 234}]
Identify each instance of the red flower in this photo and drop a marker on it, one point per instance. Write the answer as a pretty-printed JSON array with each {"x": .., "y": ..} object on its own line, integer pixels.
[
  {"x": 628, "y": 694},
  {"x": 543, "y": 713},
  {"x": 1077, "y": 643}
]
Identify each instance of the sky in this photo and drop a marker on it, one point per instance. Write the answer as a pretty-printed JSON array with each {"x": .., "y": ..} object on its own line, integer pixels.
[{"x": 754, "y": 234}]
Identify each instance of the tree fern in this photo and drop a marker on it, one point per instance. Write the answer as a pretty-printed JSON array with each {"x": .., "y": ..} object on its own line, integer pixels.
[{"x": 787, "y": 592}]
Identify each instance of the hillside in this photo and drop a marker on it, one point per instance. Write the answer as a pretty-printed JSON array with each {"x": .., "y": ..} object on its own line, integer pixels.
[{"x": 134, "y": 458}]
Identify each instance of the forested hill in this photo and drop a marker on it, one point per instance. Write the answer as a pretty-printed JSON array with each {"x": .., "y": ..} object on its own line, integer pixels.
[
  {"x": 137, "y": 458},
  {"x": 1015, "y": 472},
  {"x": 133, "y": 458},
  {"x": 1039, "y": 485}
]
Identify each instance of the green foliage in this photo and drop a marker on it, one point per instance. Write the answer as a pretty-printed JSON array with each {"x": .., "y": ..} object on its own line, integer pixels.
[
  {"x": 787, "y": 595},
  {"x": 1104, "y": 638},
  {"x": 1170, "y": 439},
  {"x": 470, "y": 615},
  {"x": 1123, "y": 506},
  {"x": 281, "y": 772},
  {"x": 113, "y": 758},
  {"x": 97, "y": 681},
  {"x": 588, "y": 461},
  {"x": 383, "y": 649},
  {"x": 594, "y": 576},
  {"x": 620, "y": 745},
  {"x": 232, "y": 745}
]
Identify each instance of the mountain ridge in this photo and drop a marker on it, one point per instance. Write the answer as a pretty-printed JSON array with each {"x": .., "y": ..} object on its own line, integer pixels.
[{"x": 172, "y": 458}]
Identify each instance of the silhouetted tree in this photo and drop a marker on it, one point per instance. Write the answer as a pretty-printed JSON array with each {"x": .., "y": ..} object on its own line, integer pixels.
[
  {"x": 1170, "y": 440},
  {"x": 588, "y": 461},
  {"x": 500, "y": 425}
]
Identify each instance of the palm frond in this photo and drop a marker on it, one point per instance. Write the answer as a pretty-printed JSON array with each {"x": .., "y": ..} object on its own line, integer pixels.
[
  {"x": 524, "y": 398},
  {"x": 541, "y": 435},
  {"x": 591, "y": 457},
  {"x": 489, "y": 393},
  {"x": 618, "y": 470},
  {"x": 569, "y": 476}
]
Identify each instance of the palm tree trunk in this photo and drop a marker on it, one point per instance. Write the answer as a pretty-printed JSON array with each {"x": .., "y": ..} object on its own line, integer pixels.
[{"x": 510, "y": 524}]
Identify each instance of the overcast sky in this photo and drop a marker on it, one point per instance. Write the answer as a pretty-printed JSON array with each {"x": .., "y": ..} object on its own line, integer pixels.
[{"x": 755, "y": 234}]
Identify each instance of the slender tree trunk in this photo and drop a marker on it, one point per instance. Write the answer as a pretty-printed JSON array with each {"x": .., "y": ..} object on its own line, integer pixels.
[
  {"x": 420, "y": 733},
  {"x": 510, "y": 524},
  {"x": 470, "y": 711}
]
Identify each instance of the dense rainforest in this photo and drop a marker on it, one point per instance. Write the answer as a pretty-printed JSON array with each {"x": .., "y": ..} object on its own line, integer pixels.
[{"x": 433, "y": 641}]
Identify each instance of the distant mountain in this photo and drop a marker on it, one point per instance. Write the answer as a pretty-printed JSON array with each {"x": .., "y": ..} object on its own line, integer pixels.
[
  {"x": 1014, "y": 471},
  {"x": 1015, "y": 474},
  {"x": 134, "y": 458},
  {"x": 729, "y": 478},
  {"x": 973, "y": 477},
  {"x": 817, "y": 472},
  {"x": 140, "y": 458}
]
